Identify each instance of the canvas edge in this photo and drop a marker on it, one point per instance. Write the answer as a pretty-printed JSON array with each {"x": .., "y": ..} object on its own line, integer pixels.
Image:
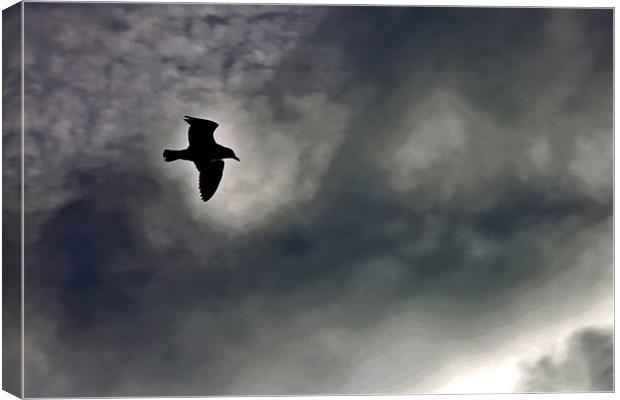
[{"x": 12, "y": 200}]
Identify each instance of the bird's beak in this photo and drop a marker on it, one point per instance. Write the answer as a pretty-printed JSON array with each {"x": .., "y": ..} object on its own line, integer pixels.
[{"x": 236, "y": 158}]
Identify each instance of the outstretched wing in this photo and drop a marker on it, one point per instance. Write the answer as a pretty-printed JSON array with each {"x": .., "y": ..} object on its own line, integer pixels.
[
  {"x": 201, "y": 131},
  {"x": 209, "y": 177}
]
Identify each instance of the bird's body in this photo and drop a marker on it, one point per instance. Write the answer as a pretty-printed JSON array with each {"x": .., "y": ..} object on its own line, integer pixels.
[
  {"x": 216, "y": 152},
  {"x": 207, "y": 155}
]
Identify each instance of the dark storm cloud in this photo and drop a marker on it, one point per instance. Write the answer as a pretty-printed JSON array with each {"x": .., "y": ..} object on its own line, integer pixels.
[
  {"x": 586, "y": 365},
  {"x": 402, "y": 189}
]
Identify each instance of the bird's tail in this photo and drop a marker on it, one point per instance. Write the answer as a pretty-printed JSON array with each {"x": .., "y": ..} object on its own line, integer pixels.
[{"x": 171, "y": 155}]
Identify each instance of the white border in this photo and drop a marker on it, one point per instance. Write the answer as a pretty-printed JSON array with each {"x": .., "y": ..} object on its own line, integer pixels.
[{"x": 457, "y": 3}]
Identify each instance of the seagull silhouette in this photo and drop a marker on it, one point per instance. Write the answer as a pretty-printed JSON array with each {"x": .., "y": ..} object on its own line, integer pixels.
[{"x": 207, "y": 155}]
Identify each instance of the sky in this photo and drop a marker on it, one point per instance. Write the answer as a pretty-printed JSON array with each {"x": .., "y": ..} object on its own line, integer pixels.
[{"x": 423, "y": 202}]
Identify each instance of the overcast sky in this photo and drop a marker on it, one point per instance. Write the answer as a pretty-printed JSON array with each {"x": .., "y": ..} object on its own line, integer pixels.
[{"x": 423, "y": 202}]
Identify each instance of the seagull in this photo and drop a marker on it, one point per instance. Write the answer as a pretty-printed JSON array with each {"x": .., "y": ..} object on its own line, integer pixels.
[{"x": 206, "y": 155}]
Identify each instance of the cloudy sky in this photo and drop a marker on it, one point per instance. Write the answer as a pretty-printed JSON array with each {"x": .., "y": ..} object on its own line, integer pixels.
[{"x": 424, "y": 201}]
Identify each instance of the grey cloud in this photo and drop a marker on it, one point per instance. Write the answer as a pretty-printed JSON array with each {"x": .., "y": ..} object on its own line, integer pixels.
[
  {"x": 85, "y": 100},
  {"x": 586, "y": 365},
  {"x": 466, "y": 136}
]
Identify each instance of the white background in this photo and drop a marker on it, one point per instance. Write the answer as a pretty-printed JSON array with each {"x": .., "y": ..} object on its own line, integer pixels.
[{"x": 547, "y": 3}]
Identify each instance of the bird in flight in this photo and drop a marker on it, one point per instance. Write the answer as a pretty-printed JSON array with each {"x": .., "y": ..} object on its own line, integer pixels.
[{"x": 206, "y": 155}]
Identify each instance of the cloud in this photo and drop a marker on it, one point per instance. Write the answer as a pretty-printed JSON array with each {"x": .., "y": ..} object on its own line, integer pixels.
[
  {"x": 82, "y": 100},
  {"x": 585, "y": 365},
  {"x": 283, "y": 161}
]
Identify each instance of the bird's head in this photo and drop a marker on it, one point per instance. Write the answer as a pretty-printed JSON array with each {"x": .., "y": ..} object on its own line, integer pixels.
[{"x": 229, "y": 153}]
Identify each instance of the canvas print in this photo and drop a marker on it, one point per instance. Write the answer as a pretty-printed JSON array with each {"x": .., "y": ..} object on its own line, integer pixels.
[{"x": 228, "y": 199}]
